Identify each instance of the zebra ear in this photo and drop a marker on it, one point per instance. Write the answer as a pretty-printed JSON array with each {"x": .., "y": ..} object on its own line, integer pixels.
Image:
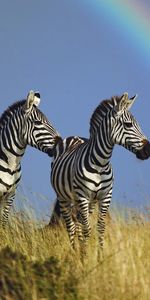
[
  {"x": 33, "y": 98},
  {"x": 125, "y": 103}
]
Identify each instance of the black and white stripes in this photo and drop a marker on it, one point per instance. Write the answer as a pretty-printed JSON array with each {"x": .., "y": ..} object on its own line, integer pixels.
[
  {"x": 21, "y": 124},
  {"x": 83, "y": 174}
]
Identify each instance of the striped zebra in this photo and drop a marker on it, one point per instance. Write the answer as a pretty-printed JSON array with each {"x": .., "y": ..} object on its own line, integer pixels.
[
  {"x": 21, "y": 124},
  {"x": 83, "y": 174},
  {"x": 64, "y": 145}
]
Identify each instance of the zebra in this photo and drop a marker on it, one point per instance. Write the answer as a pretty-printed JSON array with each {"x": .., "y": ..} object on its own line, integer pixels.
[
  {"x": 83, "y": 174},
  {"x": 21, "y": 124},
  {"x": 64, "y": 144}
]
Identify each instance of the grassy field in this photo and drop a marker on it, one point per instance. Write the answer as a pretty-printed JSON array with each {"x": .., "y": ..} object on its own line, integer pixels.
[{"x": 38, "y": 263}]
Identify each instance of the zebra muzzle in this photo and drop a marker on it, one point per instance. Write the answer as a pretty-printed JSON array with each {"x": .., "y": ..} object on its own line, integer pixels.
[{"x": 144, "y": 153}]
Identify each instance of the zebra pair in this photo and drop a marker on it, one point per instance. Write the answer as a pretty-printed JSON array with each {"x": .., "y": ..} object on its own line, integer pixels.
[
  {"x": 81, "y": 169},
  {"x": 21, "y": 124},
  {"x": 82, "y": 173}
]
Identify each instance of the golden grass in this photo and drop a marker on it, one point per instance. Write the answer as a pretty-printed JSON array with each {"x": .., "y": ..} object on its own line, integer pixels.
[{"x": 39, "y": 263}]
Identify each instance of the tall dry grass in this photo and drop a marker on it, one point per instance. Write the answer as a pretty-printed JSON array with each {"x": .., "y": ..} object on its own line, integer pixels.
[{"x": 38, "y": 263}]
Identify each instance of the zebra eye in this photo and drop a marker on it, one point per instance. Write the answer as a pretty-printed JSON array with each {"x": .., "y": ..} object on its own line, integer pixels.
[
  {"x": 128, "y": 124},
  {"x": 37, "y": 122}
]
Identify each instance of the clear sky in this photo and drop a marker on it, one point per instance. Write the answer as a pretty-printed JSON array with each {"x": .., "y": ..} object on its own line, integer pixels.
[{"x": 77, "y": 53}]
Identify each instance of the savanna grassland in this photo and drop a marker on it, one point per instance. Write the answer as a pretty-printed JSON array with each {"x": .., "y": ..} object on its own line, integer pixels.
[{"x": 39, "y": 263}]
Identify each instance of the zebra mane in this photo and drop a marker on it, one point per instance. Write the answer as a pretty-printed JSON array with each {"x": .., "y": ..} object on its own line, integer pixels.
[
  {"x": 10, "y": 109},
  {"x": 101, "y": 110},
  {"x": 14, "y": 107}
]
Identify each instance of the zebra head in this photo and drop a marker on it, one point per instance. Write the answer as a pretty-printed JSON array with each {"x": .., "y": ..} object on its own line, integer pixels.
[
  {"x": 126, "y": 130},
  {"x": 38, "y": 131}
]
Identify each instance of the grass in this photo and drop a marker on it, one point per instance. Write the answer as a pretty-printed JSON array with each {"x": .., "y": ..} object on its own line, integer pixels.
[{"x": 38, "y": 263}]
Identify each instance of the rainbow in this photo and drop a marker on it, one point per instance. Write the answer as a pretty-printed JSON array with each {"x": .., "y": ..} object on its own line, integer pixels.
[{"x": 131, "y": 17}]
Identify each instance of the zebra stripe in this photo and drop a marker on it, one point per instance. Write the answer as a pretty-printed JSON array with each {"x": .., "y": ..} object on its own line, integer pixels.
[
  {"x": 82, "y": 175},
  {"x": 21, "y": 124}
]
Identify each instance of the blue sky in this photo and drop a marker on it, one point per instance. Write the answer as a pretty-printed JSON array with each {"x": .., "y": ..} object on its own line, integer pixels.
[{"x": 75, "y": 57}]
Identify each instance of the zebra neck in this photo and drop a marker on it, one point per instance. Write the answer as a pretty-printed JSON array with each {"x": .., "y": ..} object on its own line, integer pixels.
[
  {"x": 11, "y": 149},
  {"x": 10, "y": 160},
  {"x": 100, "y": 151}
]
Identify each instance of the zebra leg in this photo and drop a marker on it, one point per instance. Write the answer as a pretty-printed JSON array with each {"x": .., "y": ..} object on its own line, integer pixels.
[
  {"x": 79, "y": 220},
  {"x": 103, "y": 208},
  {"x": 66, "y": 211},
  {"x": 83, "y": 204},
  {"x": 79, "y": 228},
  {"x": 1, "y": 207},
  {"x": 6, "y": 207}
]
